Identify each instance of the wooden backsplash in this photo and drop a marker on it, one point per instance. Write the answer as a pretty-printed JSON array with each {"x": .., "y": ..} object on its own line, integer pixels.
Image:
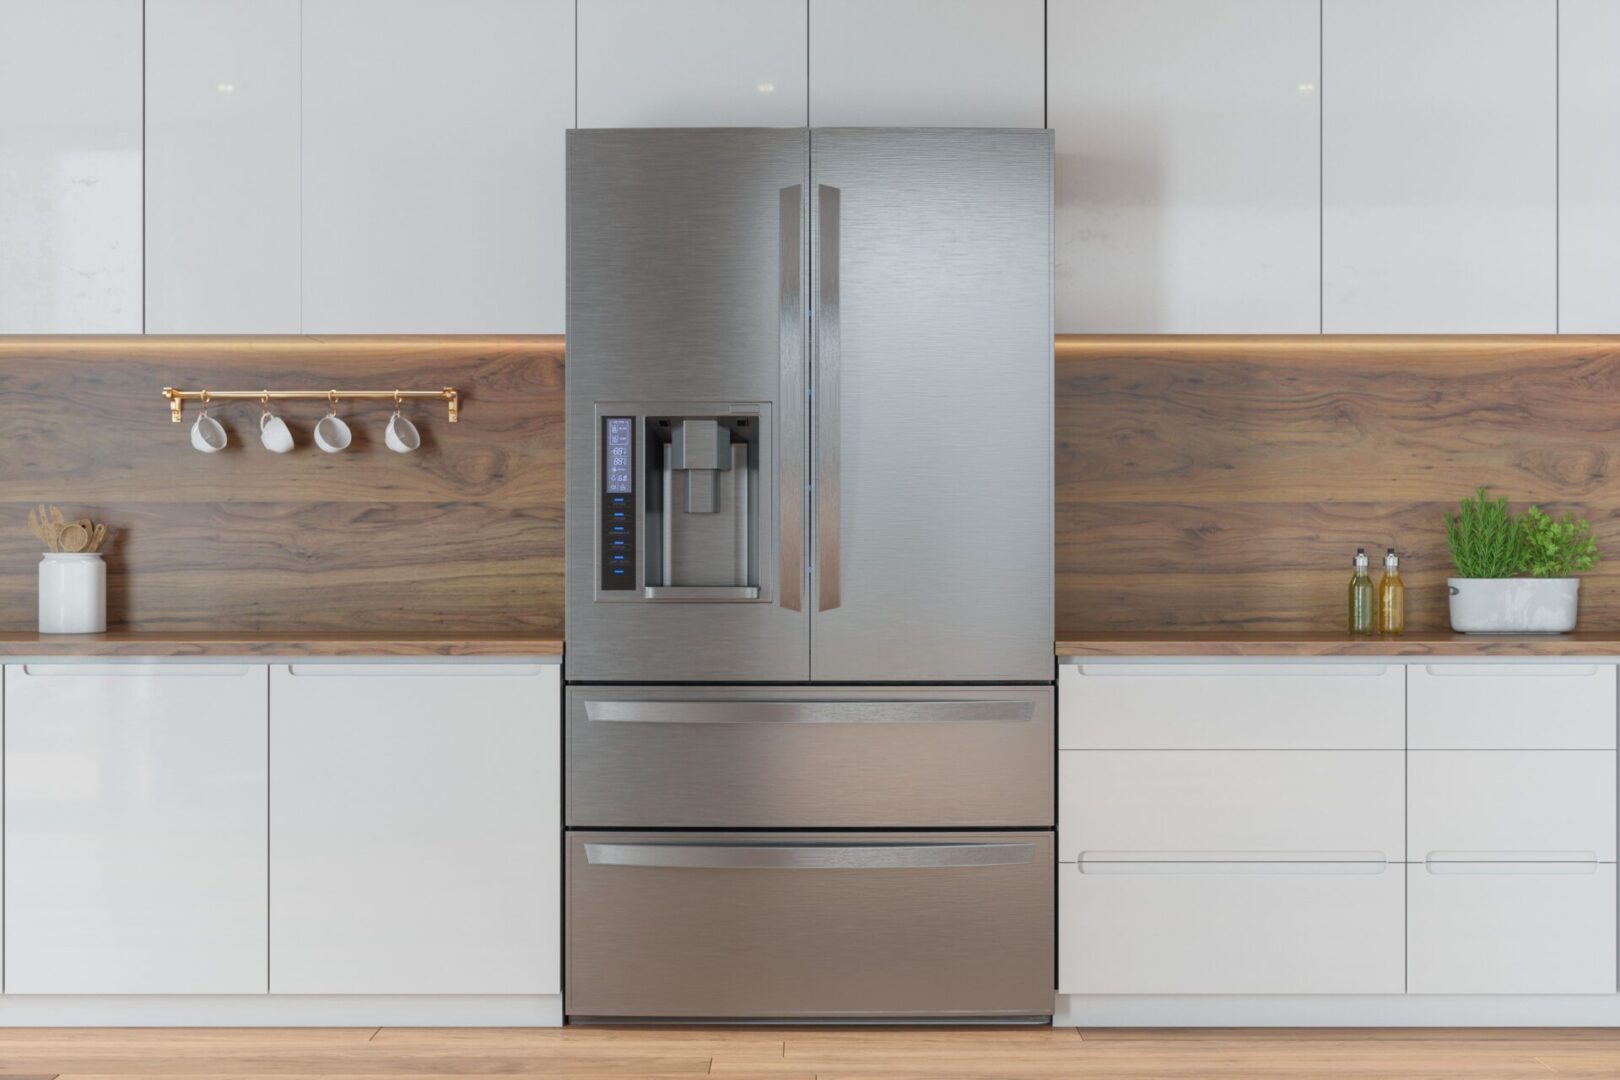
[
  {"x": 1226, "y": 482},
  {"x": 1202, "y": 483},
  {"x": 465, "y": 535}
]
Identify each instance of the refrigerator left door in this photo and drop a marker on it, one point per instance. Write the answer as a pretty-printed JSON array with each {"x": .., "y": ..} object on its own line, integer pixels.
[{"x": 687, "y": 265}]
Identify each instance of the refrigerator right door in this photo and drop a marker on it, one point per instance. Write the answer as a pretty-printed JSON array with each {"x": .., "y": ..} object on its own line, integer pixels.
[{"x": 932, "y": 405}]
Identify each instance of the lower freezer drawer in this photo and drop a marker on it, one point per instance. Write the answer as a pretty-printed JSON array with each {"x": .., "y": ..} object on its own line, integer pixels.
[{"x": 809, "y": 925}]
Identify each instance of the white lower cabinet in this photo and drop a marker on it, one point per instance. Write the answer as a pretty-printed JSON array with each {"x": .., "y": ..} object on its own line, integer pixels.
[
  {"x": 1230, "y": 928},
  {"x": 415, "y": 829},
  {"x": 1511, "y": 928},
  {"x": 135, "y": 842}
]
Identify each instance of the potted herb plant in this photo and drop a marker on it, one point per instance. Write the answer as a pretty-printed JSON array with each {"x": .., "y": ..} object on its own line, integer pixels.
[{"x": 1492, "y": 548}]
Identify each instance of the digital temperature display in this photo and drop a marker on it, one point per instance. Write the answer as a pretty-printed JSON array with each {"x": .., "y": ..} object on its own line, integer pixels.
[{"x": 620, "y": 455}]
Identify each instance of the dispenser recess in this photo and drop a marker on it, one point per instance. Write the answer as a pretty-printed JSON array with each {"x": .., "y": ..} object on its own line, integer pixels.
[{"x": 698, "y": 511}]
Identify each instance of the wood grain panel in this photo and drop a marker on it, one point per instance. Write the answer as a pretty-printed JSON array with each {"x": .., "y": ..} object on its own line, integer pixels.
[
  {"x": 1224, "y": 483},
  {"x": 465, "y": 535}
]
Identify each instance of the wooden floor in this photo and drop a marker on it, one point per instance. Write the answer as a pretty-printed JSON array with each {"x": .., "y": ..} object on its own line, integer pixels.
[{"x": 825, "y": 1054}]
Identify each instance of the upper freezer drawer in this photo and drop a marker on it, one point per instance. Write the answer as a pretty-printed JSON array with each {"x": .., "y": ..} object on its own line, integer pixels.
[
  {"x": 1512, "y": 706},
  {"x": 828, "y": 757},
  {"x": 1232, "y": 706}
]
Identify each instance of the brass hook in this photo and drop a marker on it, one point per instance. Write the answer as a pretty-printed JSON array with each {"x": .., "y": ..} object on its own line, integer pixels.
[
  {"x": 399, "y": 403},
  {"x": 332, "y": 396}
]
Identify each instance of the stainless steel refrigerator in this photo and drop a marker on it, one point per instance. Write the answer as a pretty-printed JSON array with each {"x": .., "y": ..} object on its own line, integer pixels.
[{"x": 809, "y": 734}]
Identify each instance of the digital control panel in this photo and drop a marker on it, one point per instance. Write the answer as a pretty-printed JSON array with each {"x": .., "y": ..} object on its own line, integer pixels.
[{"x": 618, "y": 502}]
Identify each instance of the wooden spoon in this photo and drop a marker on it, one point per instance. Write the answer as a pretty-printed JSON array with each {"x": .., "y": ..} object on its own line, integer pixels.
[
  {"x": 36, "y": 525},
  {"x": 97, "y": 537},
  {"x": 74, "y": 537}
]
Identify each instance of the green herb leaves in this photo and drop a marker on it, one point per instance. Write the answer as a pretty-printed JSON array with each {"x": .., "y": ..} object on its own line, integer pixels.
[
  {"x": 1488, "y": 541},
  {"x": 1556, "y": 548}
]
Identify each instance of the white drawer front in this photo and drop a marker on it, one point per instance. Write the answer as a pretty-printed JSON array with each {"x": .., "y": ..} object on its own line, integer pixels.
[
  {"x": 1511, "y": 928},
  {"x": 1232, "y": 929},
  {"x": 1467, "y": 804},
  {"x": 1269, "y": 804},
  {"x": 1231, "y": 706},
  {"x": 1511, "y": 706}
]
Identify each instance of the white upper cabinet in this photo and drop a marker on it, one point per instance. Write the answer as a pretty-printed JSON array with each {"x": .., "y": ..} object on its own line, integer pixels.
[
  {"x": 1188, "y": 153},
  {"x": 70, "y": 166},
  {"x": 1440, "y": 166},
  {"x": 222, "y": 157},
  {"x": 927, "y": 63},
  {"x": 691, "y": 63},
  {"x": 433, "y": 164},
  {"x": 1589, "y": 167}
]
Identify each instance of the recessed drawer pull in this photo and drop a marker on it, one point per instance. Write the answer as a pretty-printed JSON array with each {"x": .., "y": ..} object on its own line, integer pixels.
[
  {"x": 1241, "y": 670},
  {"x": 765, "y": 855},
  {"x": 143, "y": 670},
  {"x": 1233, "y": 862},
  {"x": 1510, "y": 670},
  {"x": 809, "y": 712},
  {"x": 1511, "y": 862}
]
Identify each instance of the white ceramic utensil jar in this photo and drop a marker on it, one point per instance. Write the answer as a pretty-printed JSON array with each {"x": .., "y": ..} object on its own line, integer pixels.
[{"x": 72, "y": 593}]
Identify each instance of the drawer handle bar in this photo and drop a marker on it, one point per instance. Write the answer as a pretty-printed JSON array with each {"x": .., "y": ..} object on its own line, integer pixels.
[
  {"x": 800, "y": 856},
  {"x": 809, "y": 712},
  {"x": 1516, "y": 671}
]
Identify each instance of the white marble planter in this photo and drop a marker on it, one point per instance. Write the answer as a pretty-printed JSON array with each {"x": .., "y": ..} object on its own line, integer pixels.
[{"x": 1514, "y": 605}]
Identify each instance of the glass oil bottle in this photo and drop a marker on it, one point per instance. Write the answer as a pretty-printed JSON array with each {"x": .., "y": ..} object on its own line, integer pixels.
[
  {"x": 1391, "y": 596},
  {"x": 1363, "y": 617}
]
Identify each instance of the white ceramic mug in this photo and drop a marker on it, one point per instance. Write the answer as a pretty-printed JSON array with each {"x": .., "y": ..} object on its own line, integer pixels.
[
  {"x": 72, "y": 593},
  {"x": 402, "y": 436},
  {"x": 274, "y": 433},
  {"x": 207, "y": 434},
  {"x": 332, "y": 434}
]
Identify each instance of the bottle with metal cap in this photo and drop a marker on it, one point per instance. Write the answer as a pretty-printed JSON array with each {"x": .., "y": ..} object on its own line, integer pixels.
[
  {"x": 1363, "y": 616},
  {"x": 1391, "y": 596}
]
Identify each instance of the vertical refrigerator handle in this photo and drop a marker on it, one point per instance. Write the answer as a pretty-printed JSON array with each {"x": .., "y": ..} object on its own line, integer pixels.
[
  {"x": 827, "y": 480},
  {"x": 790, "y": 474}
]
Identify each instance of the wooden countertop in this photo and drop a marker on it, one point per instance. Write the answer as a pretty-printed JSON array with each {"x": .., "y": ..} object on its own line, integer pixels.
[
  {"x": 1231, "y": 643},
  {"x": 181, "y": 643}
]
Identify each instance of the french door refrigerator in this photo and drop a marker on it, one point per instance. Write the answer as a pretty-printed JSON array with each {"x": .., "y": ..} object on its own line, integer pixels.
[{"x": 809, "y": 574}]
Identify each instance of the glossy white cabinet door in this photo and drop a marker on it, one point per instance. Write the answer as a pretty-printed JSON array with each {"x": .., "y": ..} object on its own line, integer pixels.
[
  {"x": 927, "y": 63},
  {"x": 1502, "y": 928},
  {"x": 1213, "y": 805},
  {"x": 415, "y": 829},
  {"x": 1255, "y": 706},
  {"x": 1589, "y": 167},
  {"x": 1439, "y": 166},
  {"x": 1328, "y": 928},
  {"x": 691, "y": 63},
  {"x": 70, "y": 166},
  {"x": 1188, "y": 152},
  {"x": 222, "y": 161},
  {"x": 135, "y": 829},
  {"x": 433, "y": 165}
]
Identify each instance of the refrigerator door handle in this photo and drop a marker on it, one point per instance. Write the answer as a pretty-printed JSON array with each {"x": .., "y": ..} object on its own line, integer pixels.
[
  {"x": 766, "y": 855},
  {"x": 790, "y": 478},
  {"x": 827, "y": 415}
]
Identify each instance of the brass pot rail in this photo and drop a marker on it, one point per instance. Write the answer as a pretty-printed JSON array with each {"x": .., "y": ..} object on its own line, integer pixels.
[{"x": 178, "y": 398}]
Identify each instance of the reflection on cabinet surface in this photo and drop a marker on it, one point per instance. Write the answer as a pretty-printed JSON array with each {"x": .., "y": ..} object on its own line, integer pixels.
[
  {"x": 927, "y": 63},
  {"x": 1439, "y": 166},
  {"x": 433, "y": 165},
  {"x": 135, "y": 843},
  {"x": 692, "y": 63},
  {"x": 415, "y": 820},
  {"x": 70, "y": 166},
  {"x": 222, "y": 161},
  {"x": 1188, "y": 154},
  {"x": 1588, "y": 167}
]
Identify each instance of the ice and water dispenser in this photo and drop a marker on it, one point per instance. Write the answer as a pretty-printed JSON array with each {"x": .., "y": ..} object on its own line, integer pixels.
[{"x": 684, "y": 508}]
